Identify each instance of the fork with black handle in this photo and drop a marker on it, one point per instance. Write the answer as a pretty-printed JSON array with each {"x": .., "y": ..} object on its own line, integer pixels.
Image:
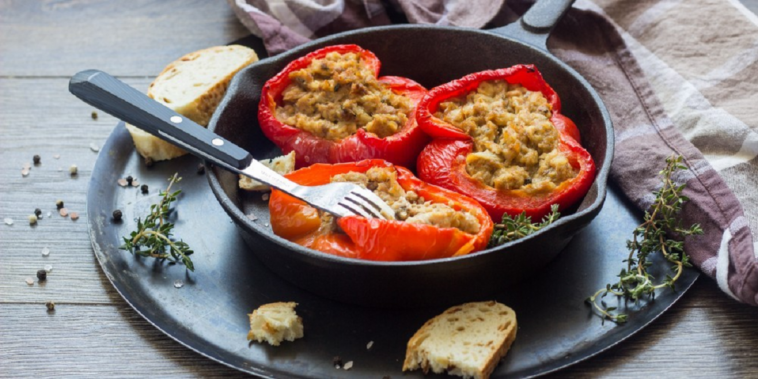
[{"x": 120, "y": 100}]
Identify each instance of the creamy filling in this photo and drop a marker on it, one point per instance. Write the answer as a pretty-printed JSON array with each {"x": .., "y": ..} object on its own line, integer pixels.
[
  {"x": 337, "y": 95},
  {"x": 408, "y": 205},
  {"x": 516, "y": 146}
]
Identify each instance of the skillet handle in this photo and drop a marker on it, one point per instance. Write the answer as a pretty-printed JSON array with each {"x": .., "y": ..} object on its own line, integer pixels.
[
  {"x": 117, "y": 98},
  {"x": 535, "y": 25}
]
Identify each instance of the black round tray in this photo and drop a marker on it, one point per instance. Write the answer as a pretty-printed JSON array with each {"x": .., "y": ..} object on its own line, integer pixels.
[{"x": 209, "y": 313}]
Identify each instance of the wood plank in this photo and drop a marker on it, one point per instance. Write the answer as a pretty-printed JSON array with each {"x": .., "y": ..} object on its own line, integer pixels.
[
  {"x": 704, "y": 334},
  {"x": 138, "y": 37},
  {"x": 39, "y": 116},
  {"x": 91, "y": 340}
]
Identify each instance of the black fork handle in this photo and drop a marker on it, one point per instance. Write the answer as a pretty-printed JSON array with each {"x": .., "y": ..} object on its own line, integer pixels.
[
  {"x": 535, "y": 25},
  {"x": 115, "y": 97}
]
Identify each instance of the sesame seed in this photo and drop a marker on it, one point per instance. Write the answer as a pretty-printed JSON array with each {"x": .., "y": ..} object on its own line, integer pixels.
[{"x": 48, "y": 268}]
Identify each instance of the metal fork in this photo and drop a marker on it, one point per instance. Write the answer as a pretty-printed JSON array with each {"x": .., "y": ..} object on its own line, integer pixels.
[{"x": 120, "y": 100}]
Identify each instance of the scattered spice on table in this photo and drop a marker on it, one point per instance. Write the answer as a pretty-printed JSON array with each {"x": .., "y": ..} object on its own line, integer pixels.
[
  {"x": 117, "y": 215},
  {"x": 32, "y": 219},
  {"x": 94, "y": 115},
  {"x": 45, "y": 252},
  {"x": 48, "y": 268},
  {"x": 144, "y": 189},
  {"x": 348, "y": 365},
  {"x": 94, "y": 147},
  {"x": 63, "y": 212},
  {"x": 178, "y": 283},
  {"x": 36, "y": 159},
  {"x": 265, "y": 196},
  {"x": 26, "y": 165},
  {"x": 41, "y": 275},
  {"x": 37, "y": 212},
  {"x": 50, "y": 306},
  {"x": 25, "y": 172},
  {"x": 57, "y": 156},
  {"x": 129, "y": 180},
  {"x": 49, "y": 214},
  {"x": 200, "y": 169},
  {"x": 122, "y": 182},
  {"x": 252, "y": 217},
  {"x": 369, "y": 345},
  {"x": 29, "y": 281},
  {"x": 8, "y": 221},
  {"x": 135, "y": 182},
  {"x": 73, "y": 170},
  {"x": 74, "y": 216},
  {"x": 59, "y": 204}
]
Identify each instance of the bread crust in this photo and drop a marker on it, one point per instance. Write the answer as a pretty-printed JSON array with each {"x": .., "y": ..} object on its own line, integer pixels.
[
  {"x": 428, "y": 356},
  {"x": 200, "y": 110}
]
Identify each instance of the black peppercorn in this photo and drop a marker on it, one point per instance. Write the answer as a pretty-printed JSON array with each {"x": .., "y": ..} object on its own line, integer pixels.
[
  {"x": 201, "y": 169},
  {"x": 117, "y": 215},
  {"x": 36, "y": 159},
  {"x": 37, "y": 212},
  {"x": 144, "y": 188},
  {"x": 50, "y": 306},
  {"x": 41, "y": 275},
  {"x": 129, "y": 180},
  {"x": 59, "y": 204},
  {"x": 337, "y": 362}
]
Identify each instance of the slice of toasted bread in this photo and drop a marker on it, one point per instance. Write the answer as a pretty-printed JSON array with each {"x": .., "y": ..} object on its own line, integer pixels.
[
  {"x": 275, "y": 323},
  {"x": 282, "y": 165},
  {"x": 192, "y": 86},
  {"x": 466, "y": 340}
]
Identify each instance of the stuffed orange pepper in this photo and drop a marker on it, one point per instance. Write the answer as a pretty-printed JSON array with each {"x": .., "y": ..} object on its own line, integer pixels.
[{"x": 430, "y": 222}]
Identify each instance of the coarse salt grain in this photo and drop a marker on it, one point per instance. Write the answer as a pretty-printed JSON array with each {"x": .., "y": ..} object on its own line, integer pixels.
[
  {"x": 25, "y": 172},
  {"x": 369, "y": 345},
  {"x": 94, "y": 147},
  {"x": 8, "y": 221},
  {"x": 45, "y": 252},
  {"x": 178, "y": 283},
  {"x": 49, "y": 268},
  {"x": 348, "y": 365},
  {"x": 49, "y": 214},
  {"x": 29, "y": 281}
]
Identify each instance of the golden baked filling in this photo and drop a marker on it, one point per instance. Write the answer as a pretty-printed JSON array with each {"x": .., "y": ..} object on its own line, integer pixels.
[
  {"x": 515, "y": 143},
  {"x": 408, "y": 205},
  {"x": 335, "y": 96}
]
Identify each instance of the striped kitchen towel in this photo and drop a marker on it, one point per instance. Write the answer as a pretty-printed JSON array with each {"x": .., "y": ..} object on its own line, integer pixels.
[{"x": 673, "y": 83}]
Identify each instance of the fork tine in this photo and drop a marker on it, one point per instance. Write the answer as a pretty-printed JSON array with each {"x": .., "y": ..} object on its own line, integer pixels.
[
  {"x": 365, "y": 205},
  {"x": 357, "y": 210},
  {"x": 374, "y": 201}
]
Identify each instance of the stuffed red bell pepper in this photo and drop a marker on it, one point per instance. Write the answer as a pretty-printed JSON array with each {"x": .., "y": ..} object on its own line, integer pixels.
[
  {"x": 430, "y": 222},
  {"x": 499, "y": 138},
  {"x": 329, "y": 106}
]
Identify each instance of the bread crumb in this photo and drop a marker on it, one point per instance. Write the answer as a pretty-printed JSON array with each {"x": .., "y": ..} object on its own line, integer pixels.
[{"x": 275, "y": 323}]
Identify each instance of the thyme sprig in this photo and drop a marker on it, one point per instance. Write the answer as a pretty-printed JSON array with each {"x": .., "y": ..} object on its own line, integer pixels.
[
  {"x": 512, "y": 228},
  {"x": 153, "y": 235},
  {"x": 655, "y": 235}
]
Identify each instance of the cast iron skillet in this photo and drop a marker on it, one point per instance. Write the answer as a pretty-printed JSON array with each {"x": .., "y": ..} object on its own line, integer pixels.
[{"x": 431, "y": 55}]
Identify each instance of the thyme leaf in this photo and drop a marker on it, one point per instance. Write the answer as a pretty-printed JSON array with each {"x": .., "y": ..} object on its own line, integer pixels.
[
  {"x": 660, "y": 232},
  {"x": 153, "y": 235},
  {"x": 514, "y": 227}
]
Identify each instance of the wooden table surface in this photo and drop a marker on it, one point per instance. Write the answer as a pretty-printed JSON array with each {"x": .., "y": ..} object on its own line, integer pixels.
[{"x": 93, "y": 331}]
